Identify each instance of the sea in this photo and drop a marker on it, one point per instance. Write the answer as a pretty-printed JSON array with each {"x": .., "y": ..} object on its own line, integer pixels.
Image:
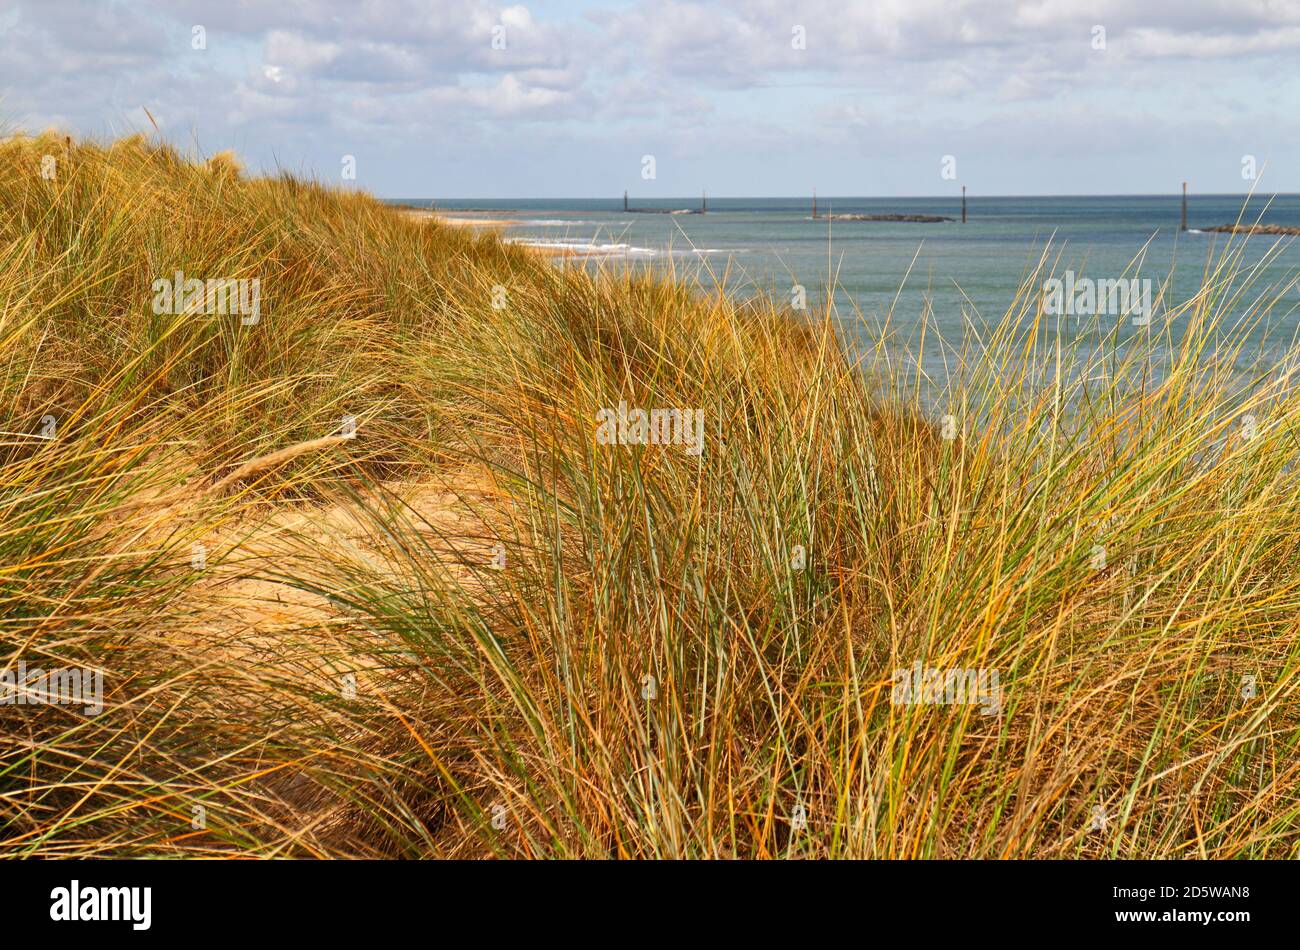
[{"x": 953, "y": 276}]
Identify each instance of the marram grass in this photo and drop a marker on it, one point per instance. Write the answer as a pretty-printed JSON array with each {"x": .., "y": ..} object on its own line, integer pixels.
[{"x": 475, "y": 629}]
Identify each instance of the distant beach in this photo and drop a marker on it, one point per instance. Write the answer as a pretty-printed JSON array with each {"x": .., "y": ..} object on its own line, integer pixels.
[{"x": 459, "y": 221}]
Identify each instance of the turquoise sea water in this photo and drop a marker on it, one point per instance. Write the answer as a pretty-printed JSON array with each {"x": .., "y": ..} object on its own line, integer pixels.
[{"x": 770, "y": 244}]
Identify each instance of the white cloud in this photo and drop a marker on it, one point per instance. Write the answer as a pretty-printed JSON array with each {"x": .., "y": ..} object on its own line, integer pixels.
[{"x": 300, "y": 76}]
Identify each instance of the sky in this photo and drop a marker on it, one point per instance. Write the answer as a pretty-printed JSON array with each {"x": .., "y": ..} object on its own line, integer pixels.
[{"x": 476, "y": 99}]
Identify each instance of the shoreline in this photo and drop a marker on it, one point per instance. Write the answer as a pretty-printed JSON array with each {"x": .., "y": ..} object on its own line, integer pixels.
[
  {"x": 423, "y": 215},
  {"x": 495, "y": 224}
]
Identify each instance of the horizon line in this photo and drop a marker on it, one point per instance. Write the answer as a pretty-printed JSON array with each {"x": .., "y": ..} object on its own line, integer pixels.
[{"x": 695, "y": 197}]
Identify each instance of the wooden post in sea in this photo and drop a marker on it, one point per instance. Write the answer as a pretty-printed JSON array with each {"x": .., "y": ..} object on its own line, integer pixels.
[
  {"x": 814, "y": 204},
  {"x": 963, "y": 204},
  {"x": 1184, "y": 227},
  {"x": 704, "y": 202},
  {"x": 624, "y": 200}
]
